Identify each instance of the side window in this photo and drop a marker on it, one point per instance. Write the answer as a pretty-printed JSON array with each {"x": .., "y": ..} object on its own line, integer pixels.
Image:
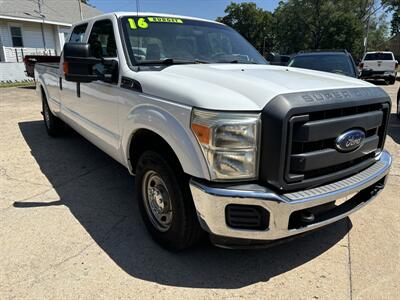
[
  {"x": 16, "y": 36},
  {"x": 102, "y": 40},
  {"x": 78, "y": 34}
]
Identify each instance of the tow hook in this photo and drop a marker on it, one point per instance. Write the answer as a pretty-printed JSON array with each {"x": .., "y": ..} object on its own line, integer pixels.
[{"x": 307, "y": 217}]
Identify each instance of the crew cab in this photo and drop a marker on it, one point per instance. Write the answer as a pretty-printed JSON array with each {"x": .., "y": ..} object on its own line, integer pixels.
[
  {"x": 219, "y": 141},
  {"x": 379, "y": 65}
]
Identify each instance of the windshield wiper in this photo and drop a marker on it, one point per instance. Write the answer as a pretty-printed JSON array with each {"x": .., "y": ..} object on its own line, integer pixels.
[{"x": 171, "y": 61}]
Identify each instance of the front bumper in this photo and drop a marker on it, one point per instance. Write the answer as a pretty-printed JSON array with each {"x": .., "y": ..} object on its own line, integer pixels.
[{"x": 211, "y": 202}]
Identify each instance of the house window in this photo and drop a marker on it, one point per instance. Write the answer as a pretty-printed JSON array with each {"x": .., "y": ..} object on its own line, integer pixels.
[{"x": 16, "y": 36}]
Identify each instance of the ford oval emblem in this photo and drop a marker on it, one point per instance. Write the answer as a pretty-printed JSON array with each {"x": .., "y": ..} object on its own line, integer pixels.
[{"x": 350, "y": 140}]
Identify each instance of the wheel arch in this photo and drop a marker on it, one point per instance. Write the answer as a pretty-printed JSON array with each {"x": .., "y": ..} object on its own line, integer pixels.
[
  {"x": 145, "y": 139},
  {"x": 150, "y": 127}
]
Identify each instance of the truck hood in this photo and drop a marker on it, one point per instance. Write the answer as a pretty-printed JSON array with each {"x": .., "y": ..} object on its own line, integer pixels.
[{"x": 239, "y": 87}]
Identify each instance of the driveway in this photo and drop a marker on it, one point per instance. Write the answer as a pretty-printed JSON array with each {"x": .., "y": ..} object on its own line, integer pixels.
[{"x": 69, "y": 229}]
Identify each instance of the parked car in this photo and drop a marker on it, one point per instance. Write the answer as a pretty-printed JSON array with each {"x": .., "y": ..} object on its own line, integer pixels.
[
  {"x": 219, "y": 141},
  {"x": 379, "y": 65},
  {"x": 339, "y": 62},
  {"x": 278, "y": 59},
  {"x": 31, "y": 60}
]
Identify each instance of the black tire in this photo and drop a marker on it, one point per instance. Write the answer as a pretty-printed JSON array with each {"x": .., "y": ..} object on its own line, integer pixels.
[
  {"x": 183, "y": 230},
  {"x": 398, "y": 105},
  {"x": 54, "y": 126},
  {"x": 392, "y": 80}
]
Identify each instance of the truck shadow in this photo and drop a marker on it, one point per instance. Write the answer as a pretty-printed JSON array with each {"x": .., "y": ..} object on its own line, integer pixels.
[{"x": 98, "y": 192}]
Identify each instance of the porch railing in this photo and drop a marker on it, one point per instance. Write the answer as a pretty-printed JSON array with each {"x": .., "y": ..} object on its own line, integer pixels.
[{"x": 14, "y": 54}]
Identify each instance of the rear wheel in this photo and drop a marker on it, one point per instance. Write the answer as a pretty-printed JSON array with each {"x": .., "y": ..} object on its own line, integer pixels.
[
  {"x": 165, "y": 202},
  {"x": 54, "y": 126},
  {"x": 392, "y": 80}
]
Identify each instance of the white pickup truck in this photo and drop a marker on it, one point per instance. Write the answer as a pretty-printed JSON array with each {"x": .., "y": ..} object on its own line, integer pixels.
[
  {"x": 379, "y": 65},
  {"x": 220, "y": 142}
]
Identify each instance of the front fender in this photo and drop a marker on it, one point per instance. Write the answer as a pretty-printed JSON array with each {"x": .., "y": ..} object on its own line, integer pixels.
[{"x": 173, "y": 125}]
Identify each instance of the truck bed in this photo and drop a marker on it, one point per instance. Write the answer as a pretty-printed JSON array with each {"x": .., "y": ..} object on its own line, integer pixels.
[{"x": 31, "y": 60}]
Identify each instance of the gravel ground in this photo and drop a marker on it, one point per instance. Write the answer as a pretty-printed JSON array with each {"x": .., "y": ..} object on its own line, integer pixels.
[{"x": 69, "y": 229}]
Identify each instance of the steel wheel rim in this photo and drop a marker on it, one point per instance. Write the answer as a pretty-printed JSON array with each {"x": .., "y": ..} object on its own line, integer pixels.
[
  {"x": 157, "y": 201},
  {"x": 46, "y": 115}
]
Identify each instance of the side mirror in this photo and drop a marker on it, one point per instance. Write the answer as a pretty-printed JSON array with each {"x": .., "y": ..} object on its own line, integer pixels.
[{"x": 78, "y": 64}]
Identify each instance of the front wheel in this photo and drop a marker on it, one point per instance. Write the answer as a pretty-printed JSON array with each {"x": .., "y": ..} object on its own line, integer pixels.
[{"x": 165, "y": 202}]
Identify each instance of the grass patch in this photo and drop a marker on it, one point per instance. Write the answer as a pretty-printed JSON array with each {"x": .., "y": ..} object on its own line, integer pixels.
[{"x": 17, "y": 84}]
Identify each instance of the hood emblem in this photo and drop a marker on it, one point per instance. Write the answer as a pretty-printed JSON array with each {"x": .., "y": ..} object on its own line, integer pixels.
[{"x": 349, "y": 140}]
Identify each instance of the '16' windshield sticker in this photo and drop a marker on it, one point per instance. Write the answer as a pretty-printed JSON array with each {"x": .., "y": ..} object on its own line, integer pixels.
[{"x": 142, "y": 23}]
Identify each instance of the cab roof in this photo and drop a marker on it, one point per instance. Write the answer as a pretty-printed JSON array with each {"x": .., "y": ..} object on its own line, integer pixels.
[{"x": 145, "y": 14}]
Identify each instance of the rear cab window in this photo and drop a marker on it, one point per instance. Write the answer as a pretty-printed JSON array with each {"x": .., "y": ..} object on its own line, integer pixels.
[{"x": 379, "y": 56}]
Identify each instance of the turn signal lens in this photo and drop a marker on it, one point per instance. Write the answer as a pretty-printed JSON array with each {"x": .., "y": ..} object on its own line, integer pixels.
[
  {"x": 65, "y": 67},
  {"x": 202, "y": 132}
]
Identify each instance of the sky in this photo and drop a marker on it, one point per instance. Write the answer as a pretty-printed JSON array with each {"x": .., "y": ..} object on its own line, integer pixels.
[{"x": 208, "y": 9}]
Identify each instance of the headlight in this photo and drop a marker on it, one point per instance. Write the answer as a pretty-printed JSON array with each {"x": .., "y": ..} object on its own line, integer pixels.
[{"x": 229, "y": 142}]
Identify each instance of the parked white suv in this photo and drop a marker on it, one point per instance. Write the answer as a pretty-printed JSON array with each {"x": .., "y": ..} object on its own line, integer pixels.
[
  {"x": 379, "y": 65},
  {"x": 218, "y": 140}
]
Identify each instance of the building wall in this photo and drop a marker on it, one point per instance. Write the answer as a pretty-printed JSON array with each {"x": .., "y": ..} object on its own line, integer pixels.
[
  {"x": 1, "y": 49},
  {"x": 33, "y": 44},
  {"x": 32, "y": 40},
  {"x": 12, "y": 72},
  {"x": 31, "y": 34},
  {"x": 61, "y": 32}
]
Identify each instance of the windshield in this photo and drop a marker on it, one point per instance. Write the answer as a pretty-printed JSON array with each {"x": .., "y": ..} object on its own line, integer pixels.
[
  {"x": 379, "y": 56},
  {"x": 333, "y": 63},
  {"x": 156, "y": 39}
]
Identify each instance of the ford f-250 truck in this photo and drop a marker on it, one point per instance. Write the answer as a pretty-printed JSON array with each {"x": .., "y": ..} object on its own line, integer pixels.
[{"x": 220, "y": 141}]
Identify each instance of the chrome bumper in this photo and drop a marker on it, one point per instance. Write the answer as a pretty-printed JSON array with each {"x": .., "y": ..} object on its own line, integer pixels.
[{"x": 210, "y": 202}]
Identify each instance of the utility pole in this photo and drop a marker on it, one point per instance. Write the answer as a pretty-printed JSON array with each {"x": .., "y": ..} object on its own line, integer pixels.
[
  {"x": 366, "y": 35},
  {"x": 264, "y": 46},
  {"x": 41, "y": 24},
  {"x": 371, "y": 11},
  {"x": 80, "y": 9}
]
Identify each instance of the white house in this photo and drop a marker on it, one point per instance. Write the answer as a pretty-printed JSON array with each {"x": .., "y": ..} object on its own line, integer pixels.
[{"x": 35, "y": 27}]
